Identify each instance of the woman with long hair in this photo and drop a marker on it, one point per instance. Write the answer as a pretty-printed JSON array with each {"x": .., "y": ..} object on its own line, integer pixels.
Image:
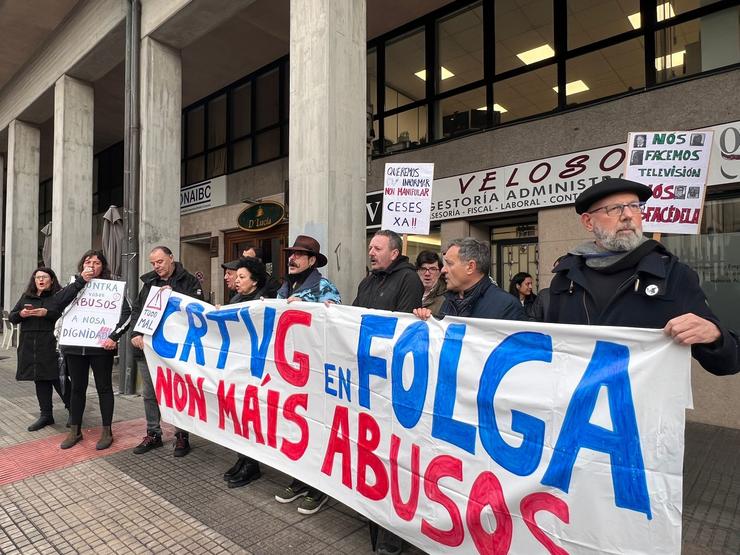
[
  {"x": 521, "y": 287},
  {"x": 36, "y": 313},
  {"x": 79, "y": 360}
]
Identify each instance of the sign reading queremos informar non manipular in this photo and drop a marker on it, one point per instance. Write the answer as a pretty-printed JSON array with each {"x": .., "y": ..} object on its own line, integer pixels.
[
  {"x": 94, "y": 314},
  {"x": 674, "y": 164},
  {"x": 407, "y": 197},
  {"x": 462, "y": 436}
]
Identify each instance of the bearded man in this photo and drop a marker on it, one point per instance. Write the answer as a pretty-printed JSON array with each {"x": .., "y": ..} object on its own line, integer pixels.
[{"x": 622, "y": 279}]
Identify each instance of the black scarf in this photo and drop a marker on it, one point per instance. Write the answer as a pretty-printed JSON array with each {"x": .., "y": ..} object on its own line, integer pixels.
[{"x": 296, "y": 280}]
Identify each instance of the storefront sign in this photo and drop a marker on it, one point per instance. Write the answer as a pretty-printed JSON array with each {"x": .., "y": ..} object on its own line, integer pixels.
[
  {"x": 407, "y": 196},
  {"x": 93, "y": 314},
  {"x": 674, "y": 165},
  {"x": 261, "y": 216},
  {"x": 479, "y": 436},
  {"x": 203, "y": 195},
  {"x": 555, "y": 181}
]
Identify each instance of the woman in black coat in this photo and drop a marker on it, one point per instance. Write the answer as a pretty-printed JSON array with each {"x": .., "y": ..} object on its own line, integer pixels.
[{"x": 37, "y": 346}]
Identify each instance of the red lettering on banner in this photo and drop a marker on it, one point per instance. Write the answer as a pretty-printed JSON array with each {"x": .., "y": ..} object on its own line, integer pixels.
[
  {"x": 543, "y": 501},
  {"x": 227, "y": 407},
  {"x": 184, "y": 391},
  {"x": 367, "y": 441},
  {"x": 575, "y": 166},
  {"x": 297, "y": 376},
  {"x": 339, "y": 443},
  {"x": 273, "y": 400},
  {"x": 486, "y": 491},
  {"x": 295, "y": 450},
  {"x": 407, "y": 510},
  {"x": 251, "y": 413},
  {"x": 181, "y": 393},
  {"x": 438, "y": 468},
  {"x": 197, "y": 397},
  {"x": 164, "y": 386}
]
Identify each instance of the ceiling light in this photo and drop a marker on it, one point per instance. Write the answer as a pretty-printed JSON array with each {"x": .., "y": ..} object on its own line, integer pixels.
[
  {"x": 664, "y": 11},
  {"x": 574, "y": 87},
  {"x": 496, "y": 108},
  {"x": 669, "y": 61},
  {"x": 536, "y": 54},
  {"x": 444, "y": 73}
]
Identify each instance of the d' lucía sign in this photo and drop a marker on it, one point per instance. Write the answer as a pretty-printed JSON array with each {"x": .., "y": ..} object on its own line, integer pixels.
[
  {"x": 407, "y": 197},
  {"x": 261, "y": 216},
  {"x": 674, "y": 164}
]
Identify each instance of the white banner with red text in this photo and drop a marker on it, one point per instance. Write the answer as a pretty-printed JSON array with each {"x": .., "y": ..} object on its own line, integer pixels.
[{"x": 460, "y": 435}]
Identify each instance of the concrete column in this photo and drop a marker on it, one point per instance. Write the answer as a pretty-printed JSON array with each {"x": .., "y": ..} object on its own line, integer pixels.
[
  {"x": 161, "y": 107},
  {"x": 327, "y": 164},
  {"x": 73, "y": 174},
  {"x": 22, "y": 209}
]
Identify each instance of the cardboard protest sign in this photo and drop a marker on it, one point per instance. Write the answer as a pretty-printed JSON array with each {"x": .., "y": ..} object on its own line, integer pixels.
[
  {"x": 675, "y": 166},
  {"x": 407, "y": 197},
  {"x": 462, "y": 436},
  {"x": 94, "y": 314},
  {"x": 153, "y": 309}
]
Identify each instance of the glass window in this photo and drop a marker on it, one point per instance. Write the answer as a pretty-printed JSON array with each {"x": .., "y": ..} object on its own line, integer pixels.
[
  {"x": 526, "y": 95},
  {"x": 217, "y": 121},
  {"x": 460, "y": 48},
  {"x": 195, "y": 170},
  {"x": 405, "y": 70},
  {"x": 406, "y": 129},
  {"x": 609, "y": 71},
  {"x": 268, "y": 99},
  {"x": 715, "y": 256},
  {"x": 682, "y": 6},
  {"x": 268, "y": 145},
  {"x": 195, "y": 131},
  {"x": 216, "y": 163},
  {"x": 241, "y": 112},
  {"x": 698, "y": 45},
  {"x": 372, "y": 80},
  {"x": 524, "y": 33},
  {"x": 593, "y": 20},
  {"x": 461, "y": 114}
]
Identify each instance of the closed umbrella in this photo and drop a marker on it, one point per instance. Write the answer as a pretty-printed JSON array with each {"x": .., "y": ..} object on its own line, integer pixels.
[
  {"x": 46, "y": 249},
  {"x": 113, "y": 240}
]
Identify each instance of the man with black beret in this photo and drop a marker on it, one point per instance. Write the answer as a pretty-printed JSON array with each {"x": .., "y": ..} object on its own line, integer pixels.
[{"x": 620, "y": 278}]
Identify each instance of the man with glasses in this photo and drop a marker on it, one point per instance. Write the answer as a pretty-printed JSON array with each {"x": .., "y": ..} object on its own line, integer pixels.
[
  {"x": 429, "y": 266},
  {"x": 621, "y": 278}
]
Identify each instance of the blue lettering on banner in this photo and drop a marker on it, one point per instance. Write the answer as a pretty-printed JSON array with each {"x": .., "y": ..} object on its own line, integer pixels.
[
  {"x": 444, "y": 426},
  {"x": 608, "y": 368},
  {"x": 368, "y": 365},
  {"x": 259, "y": 348},
  {"x": 221, "y": 317},
  {"x": 329, "y": 379},
  {"x": 408, "y": 404},
  {"x": 164, "y": 348},
  {"x": 195, "y": 333},
  {"x": 515, "y": 349}
]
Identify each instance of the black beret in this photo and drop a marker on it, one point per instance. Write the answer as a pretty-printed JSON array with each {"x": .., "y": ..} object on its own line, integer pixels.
[
  {"x": 233, "y": 265},
  {"x": 609, "y": 187}
]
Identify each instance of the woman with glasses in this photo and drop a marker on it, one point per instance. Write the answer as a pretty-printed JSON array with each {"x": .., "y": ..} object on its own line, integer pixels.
[{"x": 429, "y": 267}]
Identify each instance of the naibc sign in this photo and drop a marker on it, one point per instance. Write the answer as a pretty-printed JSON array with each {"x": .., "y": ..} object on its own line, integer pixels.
[
  {"x": 462, "y": 436},
  {"x": 203, "y": 195}
]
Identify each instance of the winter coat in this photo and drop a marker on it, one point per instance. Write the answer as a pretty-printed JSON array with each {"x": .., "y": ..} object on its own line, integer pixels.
[
  {"x": 396, "y": 288},
  {"x": 37, "y": 346},
  {"x": 436, "y": 297},
  {"x": 490, "y": 302},
  {"x": 658, "y": 289},
  {"x": 314, "y": 289}
]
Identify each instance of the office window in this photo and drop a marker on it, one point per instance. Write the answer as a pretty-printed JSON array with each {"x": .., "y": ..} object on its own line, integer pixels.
[
  {"x": 405, "y": 70},
  {"x": 372, "y": 79},
  {"x": 195, "y": 125},
  {"x": 406, "y": 129},
  {"x": 268, "y": 100},
  {"x": 524, "y": 33},
  {"x": 460, "y": 48},
  {"x": 678, "y": 7},
  {"x": 268, "y": 145},
  {"x": 593, "y": 20},
  {"x": 241, "y": 110},
  {"x": 461, "y": 114},
  {"x": 527, "y": 94},
  {"x": 45, "y": 199},
  {"x": 242, "y": 156},
  {"x": 606, "y": 72}
]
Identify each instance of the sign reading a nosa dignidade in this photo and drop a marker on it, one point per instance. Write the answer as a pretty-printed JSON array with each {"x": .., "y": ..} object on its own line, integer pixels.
[
  {"x": 407, "y": 197},
  {"x": 94, "y": 314},
  {"x": 460, "y": 435}
]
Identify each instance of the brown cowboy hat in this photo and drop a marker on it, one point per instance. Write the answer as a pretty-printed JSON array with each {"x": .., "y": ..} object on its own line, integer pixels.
[{"x": 304, "y": 243}]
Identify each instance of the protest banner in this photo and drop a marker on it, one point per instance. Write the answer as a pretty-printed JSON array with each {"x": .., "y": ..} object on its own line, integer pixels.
[
  {"x": 461, "y": 436},
  {"x": 675, "y": 165},
  {"x": 407, "y": 197},
  {"x": 153, "y": 309},
  {"x": 93, "y": 315}
]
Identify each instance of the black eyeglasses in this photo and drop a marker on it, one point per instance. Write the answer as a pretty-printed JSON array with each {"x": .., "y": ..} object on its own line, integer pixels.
[{"x": 615, "y": 210}]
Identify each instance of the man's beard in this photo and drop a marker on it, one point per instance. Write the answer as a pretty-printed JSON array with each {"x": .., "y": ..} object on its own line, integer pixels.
[{"x": 618, "y": 242}]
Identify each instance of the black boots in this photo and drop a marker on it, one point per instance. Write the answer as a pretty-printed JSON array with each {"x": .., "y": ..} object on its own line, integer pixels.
[
  {"x": 249, "y": 472},
  {"x": 42, "y": 421},
  {"x": 234, "y": 470},
  {"x": 74, "y": 435}
]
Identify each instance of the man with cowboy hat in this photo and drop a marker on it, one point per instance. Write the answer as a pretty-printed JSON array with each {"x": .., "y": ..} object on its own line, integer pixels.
[
  {"x": 620, "y": 278},
  {"x": 305, "y": 283}
]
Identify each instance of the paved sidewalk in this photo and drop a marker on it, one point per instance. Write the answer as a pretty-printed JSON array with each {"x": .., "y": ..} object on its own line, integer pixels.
[{"x": 85, "y": 501}]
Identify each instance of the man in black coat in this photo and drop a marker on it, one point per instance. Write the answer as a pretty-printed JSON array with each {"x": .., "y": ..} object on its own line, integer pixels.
[
  {"x": 622, "y": 279},
  {"x": 165, "y": 273}
]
